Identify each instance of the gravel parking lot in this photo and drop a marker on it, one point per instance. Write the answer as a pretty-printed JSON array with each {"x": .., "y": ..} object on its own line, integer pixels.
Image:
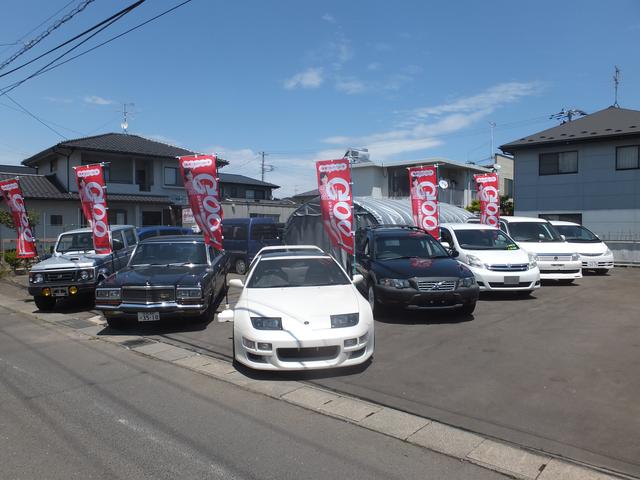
[{"x": 557, "y": 371}]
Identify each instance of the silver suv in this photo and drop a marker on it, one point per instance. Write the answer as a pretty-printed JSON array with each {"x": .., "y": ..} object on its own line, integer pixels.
[{"x": 75, "y": 269}]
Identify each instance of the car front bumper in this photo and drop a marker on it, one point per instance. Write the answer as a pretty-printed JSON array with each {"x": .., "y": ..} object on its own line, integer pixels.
[
  {"x": 494, "y": 281},
  {"x": 315, "y": 350},
  {"x": 600, "y": 262},
  {"x": 37, "y": 290},
  {"x": 414, "y": 299},
  {"x": 558, "y": 270},
  {"x": 130, "y": 311}
]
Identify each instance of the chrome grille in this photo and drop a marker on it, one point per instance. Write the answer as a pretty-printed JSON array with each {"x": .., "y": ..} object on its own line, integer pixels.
[
  {"x": 436, "y": 286},
  {"x": 516, "y": 267},
  {"x": 550, "y": 257},
  {"x": 68, "y": 276},
  {"x": 145, "y": 295}
]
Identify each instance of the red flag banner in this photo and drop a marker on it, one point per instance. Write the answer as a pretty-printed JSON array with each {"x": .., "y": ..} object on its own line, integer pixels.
[
  {"x": 424, "y": 198},
  {"x": 489, "y": 198},
  {"x": 336, "y": 202},
  {"x": 25, "y": 243},
  {"x": 200, "y": 179},
  {"x": 91, "y": 188}
]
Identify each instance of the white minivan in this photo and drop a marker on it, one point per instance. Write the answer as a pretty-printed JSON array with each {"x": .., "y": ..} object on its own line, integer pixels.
[
  {"x": 594, "y": 252},
  {"x": 497, "y": 262},
  {"x": 557, "y": 259}
]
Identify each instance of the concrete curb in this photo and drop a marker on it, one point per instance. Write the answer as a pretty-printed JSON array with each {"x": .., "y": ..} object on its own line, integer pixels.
[{"x": 489, "y": 453}]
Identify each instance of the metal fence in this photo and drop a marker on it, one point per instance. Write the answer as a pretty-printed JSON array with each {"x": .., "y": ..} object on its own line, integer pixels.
[{"x": 46, "y": 236}]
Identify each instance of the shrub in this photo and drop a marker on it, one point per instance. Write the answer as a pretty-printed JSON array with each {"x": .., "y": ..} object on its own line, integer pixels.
[{"x": 11, "y": 259}]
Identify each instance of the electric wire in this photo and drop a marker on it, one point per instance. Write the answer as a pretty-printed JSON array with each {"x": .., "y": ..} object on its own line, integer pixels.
[{"x": 35, "y": 117}]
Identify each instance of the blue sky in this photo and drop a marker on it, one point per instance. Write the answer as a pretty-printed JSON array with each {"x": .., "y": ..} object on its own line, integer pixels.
[{"x": 303, "y": 80}]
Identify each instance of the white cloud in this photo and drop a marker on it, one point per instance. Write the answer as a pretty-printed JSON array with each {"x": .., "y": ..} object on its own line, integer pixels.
[
  {"x": 96, "y": 100},
  {"x": 350, "y": 86},
  {"x": 309, "y": 78},
  {"x": 328, "y": 18}
]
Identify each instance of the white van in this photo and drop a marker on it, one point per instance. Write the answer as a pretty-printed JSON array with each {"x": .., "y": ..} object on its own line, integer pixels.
[
  {"x": 496, "y": 261},
  {"x": 557, "y": 259},
  {"x": 594, "y": 252}
]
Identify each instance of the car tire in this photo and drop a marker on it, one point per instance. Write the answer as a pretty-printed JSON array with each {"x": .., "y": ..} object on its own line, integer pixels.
[
  {"x": 467, "y": 308},
  {"x": 205, "y": 316},
  {"x": 117, "y": 323},
  {"x": 45, "y": 304},
  {"x": 601, "y": 271},
  {"x": 376, "y": 307},
  {"x": 240, "y": 266}
]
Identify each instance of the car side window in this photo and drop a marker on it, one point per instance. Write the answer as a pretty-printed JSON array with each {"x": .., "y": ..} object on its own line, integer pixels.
[
  {"x": 130, "y": 237},
  {"x": 445, "y": 236},
  {"x": 117, "y": 239},
  {"x": 503, "y": 227},
  {"x": 365, "y": 248}
]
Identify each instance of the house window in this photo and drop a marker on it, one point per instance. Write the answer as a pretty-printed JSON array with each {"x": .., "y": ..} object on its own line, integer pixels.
[
  {"x": 558, "y": 163},
  {"x": 234, "y": 192},
  {"x": 117, "y": 216},
  {"x": 250, "y": 194},
  {"x": 55, "y": 220},
  {"x": 53, "y": 166},
  {"x": 628, "y": 158},
  {"x": 260, "y": 195},
  {"x": 508, "y": 187},
  {"x": 119, "y": 171},
  {"x": 172, "y": 177}
]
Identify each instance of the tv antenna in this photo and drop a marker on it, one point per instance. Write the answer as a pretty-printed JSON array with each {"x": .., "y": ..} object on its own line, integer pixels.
[
  {"x": 616, "y": 83},
  {"x": 566, "y": 114}
]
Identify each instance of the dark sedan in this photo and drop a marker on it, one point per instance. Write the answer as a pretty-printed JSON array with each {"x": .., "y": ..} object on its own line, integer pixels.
[
  {"x": 167, "y": 276},
  {"x": 405, "y": 267}
]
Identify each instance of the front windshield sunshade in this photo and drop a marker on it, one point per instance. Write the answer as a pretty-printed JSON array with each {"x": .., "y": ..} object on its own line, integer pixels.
[
  {"x": 489, "y": 239},
  {"x": 75, "y": 242},
  {"x": 297, "y": 272},
  {"x": 409, "y": 246},
  {"x": 533, "y": 232},
  {"x": 577, "y": 233},
  {"x": 169, "y": 254}
]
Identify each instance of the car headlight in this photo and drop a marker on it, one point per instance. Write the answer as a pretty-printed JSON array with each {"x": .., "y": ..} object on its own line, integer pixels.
[
  {"x": 107, "y": 294},
  {"x": 575, "y": 257},
  {"x": 85, "y": 275},
  {"x": 395, "y": 282},
  {"x": 266, "y": 323},
  {"x": 344, "y": 320},
  {"x": 467, "y": 281},
  {"x": 189, "y": 293},
  {"x": 474, "y": 261},
  {"x": 37, "y": 278},
  {"x": 533, "y": 260}
]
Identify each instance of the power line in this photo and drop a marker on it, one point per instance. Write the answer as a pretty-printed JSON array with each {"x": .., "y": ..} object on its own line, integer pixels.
[
  {"x": 49, "y": 68},
  {"x": 97, "y": 25},
  {"x": 118, "y": 16},
  {"x": 35, "y": 117},
  {"x": 43, "y": 119},
  {"x": 32, "y": 43}
]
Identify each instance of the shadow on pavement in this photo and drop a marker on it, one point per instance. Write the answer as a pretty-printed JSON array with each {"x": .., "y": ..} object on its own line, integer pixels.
[
  {"x": 507, "y": 296},
  {"x": 427, "y": 317}
]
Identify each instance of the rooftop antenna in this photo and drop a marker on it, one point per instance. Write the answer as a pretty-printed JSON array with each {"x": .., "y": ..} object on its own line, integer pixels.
[
  {"x": 567, "y": 114},
  {"x": 125, "y": 122},
  {"x": 616, "y": 82}
]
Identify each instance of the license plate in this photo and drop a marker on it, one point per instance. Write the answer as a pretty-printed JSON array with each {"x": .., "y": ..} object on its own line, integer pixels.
[
  {"x": 59, "y": 292},
  {"x": 511, "y": 280},
  {"x": 592, "y": 264},
  {"x": 148, "y": 316}
]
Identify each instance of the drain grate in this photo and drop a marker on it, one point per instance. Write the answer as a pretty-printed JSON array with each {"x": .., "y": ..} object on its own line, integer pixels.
[
  {"x": 136, "y": 342},
  {"x": 76, "y": 323}
]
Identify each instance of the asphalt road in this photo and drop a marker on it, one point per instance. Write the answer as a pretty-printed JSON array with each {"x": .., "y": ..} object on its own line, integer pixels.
[
  {"x": 74, "y": 407},
  {"x": 557, "y": 372}
]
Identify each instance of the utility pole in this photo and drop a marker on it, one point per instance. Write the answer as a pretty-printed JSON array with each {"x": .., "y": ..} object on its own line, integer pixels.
[
  {"x": 616, "y": 82},
  {"x": 492, "y": 125},
  {"x": 262, "y": 165}
]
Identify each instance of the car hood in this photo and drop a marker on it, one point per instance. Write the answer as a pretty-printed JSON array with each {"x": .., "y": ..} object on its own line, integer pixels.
[
  {"x": 419, "y": 267},
  {"x": 69, "y": 261},
  {"x": 589, "y": 247},
  {"x": 297, "y": 305},
  {"x": 493, "y": 257},
  {"x": 156, "y": 275},
  {"x": 548, "y": 247}
]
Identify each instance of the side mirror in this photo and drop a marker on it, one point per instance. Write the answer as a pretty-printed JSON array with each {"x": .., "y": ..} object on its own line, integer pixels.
[
  {"x": 445, "y": 245},
  {"x": 235, "y": 283},
  {"x": 563, "y": 237},
  {"x": 357, "y": 278},
  {"x": 454, "y": 253},
  {"x": 225, "y": 315}
]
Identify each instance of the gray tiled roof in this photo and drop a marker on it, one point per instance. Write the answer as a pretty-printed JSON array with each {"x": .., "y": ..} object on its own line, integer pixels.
[
  {"x": 17, "y": 169},
  {"x": 241, "y": 179},
  {"x": 610, "y": 122},
  {"x": 119, "y": 143},
  {"x": 45, "y": 187}
]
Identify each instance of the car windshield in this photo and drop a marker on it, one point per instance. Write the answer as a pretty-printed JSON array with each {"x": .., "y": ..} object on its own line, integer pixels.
[
  {"x": 488, "y": 239},
  {"x": 414, "y": 245},
  {"x": 296, "y": 272},
  {"x": 157, "y": 253},
  {"x": 533, "y": 232},
  {"x": 75, "y": 242},
  {"x": 577, "y": 233}
]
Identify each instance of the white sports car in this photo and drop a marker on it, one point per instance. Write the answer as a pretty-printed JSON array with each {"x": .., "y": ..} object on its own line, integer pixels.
[{"x": 299, "y": 311}]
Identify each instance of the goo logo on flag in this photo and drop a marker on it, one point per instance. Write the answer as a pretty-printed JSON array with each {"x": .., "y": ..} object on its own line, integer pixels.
[
  {"x": 424, "y": 199},
  {"x": 489, "y": 197},
  {"x": 91, "y": 188},
  {"x": 334, "y": 178},
  {"x": 25, "y": 244}
]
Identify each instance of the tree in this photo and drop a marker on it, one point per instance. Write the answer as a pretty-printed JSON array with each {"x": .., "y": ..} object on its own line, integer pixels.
[
  {"x": 473, "y": 207},
  {"x": 506, "y": 205},
  {"x": 6, "y": 219}
]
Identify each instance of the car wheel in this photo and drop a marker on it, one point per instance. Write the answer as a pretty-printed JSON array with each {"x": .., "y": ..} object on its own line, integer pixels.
[
  {"x": 240, "y": 266},
  {"x": 45, "y": 303},
  {"x": 117, "y": 323},
  {"x": 205, "y": 316},
  {"x": 467, "y": 308}
]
